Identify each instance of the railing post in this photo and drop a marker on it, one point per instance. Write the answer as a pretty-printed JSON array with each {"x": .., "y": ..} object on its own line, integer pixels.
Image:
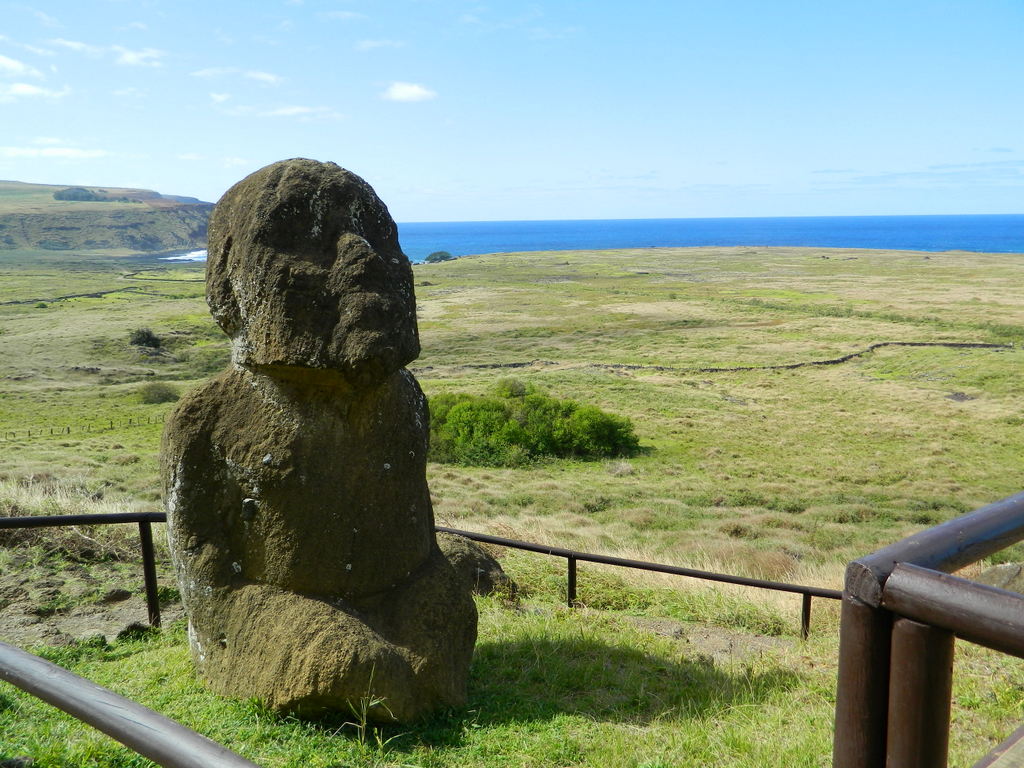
[
  {"x": 149, "y": 572},
  {"x": 570, "y": 587},
  {"x": 862, "y": 695},
  {"x": 920, "y": 686},
  {"x": 805, "y": 616}
]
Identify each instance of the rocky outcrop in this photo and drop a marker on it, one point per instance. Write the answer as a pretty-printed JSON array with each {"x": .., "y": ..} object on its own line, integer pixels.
[
  {"x": 299, "y": 517},
  {"x": 1005, "y": 576},
  {"x": 476, "y": 566}
]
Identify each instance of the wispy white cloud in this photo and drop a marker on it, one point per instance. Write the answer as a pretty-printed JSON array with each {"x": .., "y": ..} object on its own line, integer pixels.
[
  {"x": 190, "y": 157},
  {"x": 77, "y": 46},
  {"x": 12, "y": 91},
  {"x": 370, "y": 45},
  {"x": 14, "y": 68},
  {"x": 68, "y": 153},
  {"x": 527, "y": 20},
  {"x": 234, "y": 162},
  {"x": 37, "y": 50},
  {"x": 303, "y": 112},
  {"x": 983, "y": 164},
  {"x": 262, "y": 77},
  {"x": 408, "y": 92},
  {"x": 213, "y": 72},
  {"x": 344, "y": 15},
  {"x": 130, "y": 91},
  {"x": 250, "y": 74},
  {"x": 46, "y": 19},
  {"x": 940, "y": 176},
  {"x": 47, "y": 141},
  {"x": 291, "y": 111},
  {"x": 140, "y": 25},
  {"x": 219, "y": 98},
  {"x": 147, "y": 57}
]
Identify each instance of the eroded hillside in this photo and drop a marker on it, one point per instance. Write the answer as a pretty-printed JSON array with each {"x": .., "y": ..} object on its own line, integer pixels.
[{"x": 34, "y": 216}]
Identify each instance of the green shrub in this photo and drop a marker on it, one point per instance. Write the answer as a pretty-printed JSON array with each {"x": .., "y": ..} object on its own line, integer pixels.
[
  {"x": 437, "y": 256},
  {"x": 143, "y": 337},
  {"x": 520, "y": 424},
  {"x": 158, "y": 392}
]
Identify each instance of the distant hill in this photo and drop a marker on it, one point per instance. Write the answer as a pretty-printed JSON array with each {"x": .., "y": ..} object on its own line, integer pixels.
[{"x": 63, "y": 218}]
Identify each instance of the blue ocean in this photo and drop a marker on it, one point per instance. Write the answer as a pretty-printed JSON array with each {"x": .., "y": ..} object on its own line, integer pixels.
[
  {"x": 986, "y": 234},
  {"x": 991, "y": 233}
]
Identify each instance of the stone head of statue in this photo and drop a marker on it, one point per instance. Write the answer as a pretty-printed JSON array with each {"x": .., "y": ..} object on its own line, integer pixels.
[{"x": 305, "y": 274}]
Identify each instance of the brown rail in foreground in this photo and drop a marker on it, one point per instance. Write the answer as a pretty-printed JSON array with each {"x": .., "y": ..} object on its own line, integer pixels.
[
  {"x": 900, "y": 615},
  {"x": 152, "y": 735}
]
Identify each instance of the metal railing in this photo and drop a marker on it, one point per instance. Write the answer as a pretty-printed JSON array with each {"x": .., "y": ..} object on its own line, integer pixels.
[
  {"x": 572, "y": 557},
  {"x": 901, "y": 611},
  {"x": 171, "y": 744},
  {"x": 900, "y": 614},
  {"x": 144, "y": 519},
  {"x": 152, "y": 735}
]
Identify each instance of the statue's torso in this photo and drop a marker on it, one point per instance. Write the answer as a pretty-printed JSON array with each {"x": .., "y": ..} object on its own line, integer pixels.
[{"x": 302, "y": 487}]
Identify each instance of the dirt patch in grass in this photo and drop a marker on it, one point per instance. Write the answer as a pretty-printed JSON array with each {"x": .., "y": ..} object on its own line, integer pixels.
[{"x": 49, "y": 602}]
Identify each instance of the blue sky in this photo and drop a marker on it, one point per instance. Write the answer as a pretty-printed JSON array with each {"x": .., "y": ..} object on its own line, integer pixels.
[{"x": 459, "y": 110}]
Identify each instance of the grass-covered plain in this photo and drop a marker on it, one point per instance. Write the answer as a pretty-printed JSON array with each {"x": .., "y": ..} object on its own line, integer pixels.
[{"x": 786, "y": 474}]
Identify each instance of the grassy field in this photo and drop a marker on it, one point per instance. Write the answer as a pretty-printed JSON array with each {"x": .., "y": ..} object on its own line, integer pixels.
[{"x": 785, "y": 473}]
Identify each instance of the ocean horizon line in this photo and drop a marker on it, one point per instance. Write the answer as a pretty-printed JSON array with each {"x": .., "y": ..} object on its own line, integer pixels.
[
  {"x": 993, "y": 233},
  {"x": 711, "y": 218},
  {"x": 929, "y": 233}
]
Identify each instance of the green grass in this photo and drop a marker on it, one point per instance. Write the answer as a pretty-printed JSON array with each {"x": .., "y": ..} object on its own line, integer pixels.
[
  {"x": 548, "y": 687},
  {"x": 783, "y": 474}
]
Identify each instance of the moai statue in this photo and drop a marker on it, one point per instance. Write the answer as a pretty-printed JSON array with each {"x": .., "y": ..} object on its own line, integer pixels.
[{"x": 299, "y": 519}]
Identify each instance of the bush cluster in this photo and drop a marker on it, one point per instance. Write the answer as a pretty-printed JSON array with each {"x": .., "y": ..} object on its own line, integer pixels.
[
  {"x": 158, "y": 392},
  {"x": 144, "y": 337},
  {"x": 438, "y": 256},
  {"x": 519, "y": 424}
]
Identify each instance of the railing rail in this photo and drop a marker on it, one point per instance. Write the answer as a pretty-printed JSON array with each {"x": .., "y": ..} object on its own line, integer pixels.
[
  {"x": 572, "y": 557},
  {"x": 152, "y": 735},
  {"x": 900, "y": 615},
  {"x": 170, "y": 744},
  {"x": 144, "y": 520}
]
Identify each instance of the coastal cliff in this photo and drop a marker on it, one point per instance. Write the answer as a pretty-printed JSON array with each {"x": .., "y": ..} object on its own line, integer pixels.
[{"x": 60, "y": 218}]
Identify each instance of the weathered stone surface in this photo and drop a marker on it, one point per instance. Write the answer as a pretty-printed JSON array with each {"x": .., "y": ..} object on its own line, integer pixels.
[
  {"x": 299, "y": 517},
  {"x": 1005, "y": 576},
  {"x": 476, "y": 565},
  {"x": 305, "y": 271}
]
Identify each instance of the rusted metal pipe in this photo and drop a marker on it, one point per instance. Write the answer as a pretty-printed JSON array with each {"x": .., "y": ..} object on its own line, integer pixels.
[
  {"x": 152, "y": 735},
  {"x": 862, "y": 693},
  {"x": 946, "y": 547},
  {"x": 920, "y": 686},
  {"x": 979, "y": 613},
  {"x": 570, "y": 582},
  {"x": 1008, "y": 754},
  {"x": 642, "y": 565},
  {"x": 149, "y": 572},
  {"x": 805, "y": 616},
  {"x": 56, "y": 521}
]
